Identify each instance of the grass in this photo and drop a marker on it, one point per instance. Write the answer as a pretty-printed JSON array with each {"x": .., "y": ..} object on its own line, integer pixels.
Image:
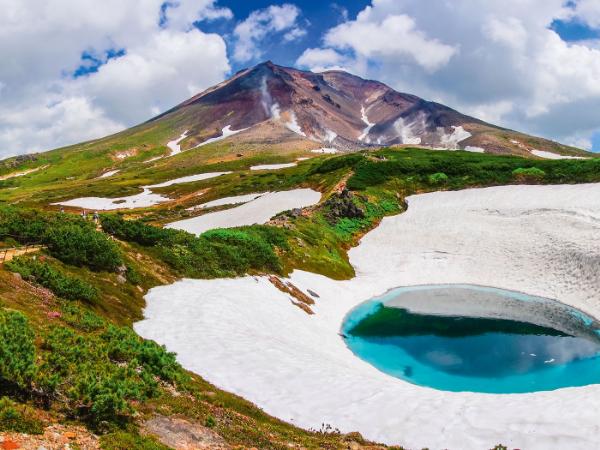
[{"x": 81, "y": 357}]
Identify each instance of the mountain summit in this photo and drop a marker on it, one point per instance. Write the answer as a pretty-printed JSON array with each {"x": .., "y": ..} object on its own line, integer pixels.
[{"x": 269, "y": 104}]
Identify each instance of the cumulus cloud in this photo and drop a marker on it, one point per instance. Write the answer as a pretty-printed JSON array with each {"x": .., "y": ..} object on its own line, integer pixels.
[
  {"x": 321, "y": 59},
  {"x": 393, "y": 36},
  {"x": 262, "y": 23},
  {"x": 42, "y": 105},
  {"x": 588, "y": 11},
  {"x": 497, "y": 59}
]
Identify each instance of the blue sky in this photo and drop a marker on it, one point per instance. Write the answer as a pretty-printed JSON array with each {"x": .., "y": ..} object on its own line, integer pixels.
[
  {"x": 92, "y": 68},
  {"x": 316, "y": 16}
]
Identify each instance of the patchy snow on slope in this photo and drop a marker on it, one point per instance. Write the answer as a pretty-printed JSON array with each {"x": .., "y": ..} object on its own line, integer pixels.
[
  {"x": 225, "y": 133},
  {"x": 273, "y": 166},
  {"x": 542, "y": 240},
  {"x": 550, "y": 155},
  {"x": 110, "y": 173},
  {"x": 144, "y": 199},
  {"x": 236, "y": 199},
  {"x": 365, "y": 119},
  {"x": 451, "y": 141},
  {"x": 472, "y": 149},
  {"x": 189, "y": 179},
  {"x": 174, "y": 145},
  {"x": 257, "y": 211}
]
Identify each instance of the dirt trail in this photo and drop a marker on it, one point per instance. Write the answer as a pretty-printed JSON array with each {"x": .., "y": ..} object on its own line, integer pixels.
[{"x": 10, "y": 253}]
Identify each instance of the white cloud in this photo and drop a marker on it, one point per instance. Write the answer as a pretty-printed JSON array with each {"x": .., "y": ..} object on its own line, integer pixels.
[
  {"x": 497, "y": 59},
  {"x": 588, "y": 11},
  {"x": 321, "y": 59},
  {"x": 395, "y": 36},
  {"x": 262, "y": 23},
  {"x": 182, "y": 13},
  {"x": 170, "y": 67},
  {"x": 41, "y": 43}
]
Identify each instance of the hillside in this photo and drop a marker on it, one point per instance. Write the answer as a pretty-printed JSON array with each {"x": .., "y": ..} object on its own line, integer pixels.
[
  {"x": 267, "y": 113},
  {"x": 74, "y": 369}
]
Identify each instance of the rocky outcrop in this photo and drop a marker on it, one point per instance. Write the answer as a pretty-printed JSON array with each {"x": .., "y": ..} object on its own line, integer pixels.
[{"x": 342, "y": 205}]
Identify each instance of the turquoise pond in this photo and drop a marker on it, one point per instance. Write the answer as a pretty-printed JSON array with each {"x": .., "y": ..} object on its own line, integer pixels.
[{"x": 477, "y": 339}]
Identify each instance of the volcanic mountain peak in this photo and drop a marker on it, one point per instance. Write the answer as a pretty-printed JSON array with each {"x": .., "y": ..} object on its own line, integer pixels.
[{"x": 336, "y": 109}]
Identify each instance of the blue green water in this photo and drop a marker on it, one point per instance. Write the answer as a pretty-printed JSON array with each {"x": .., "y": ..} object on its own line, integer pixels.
[{"x": 481, "y": 340}]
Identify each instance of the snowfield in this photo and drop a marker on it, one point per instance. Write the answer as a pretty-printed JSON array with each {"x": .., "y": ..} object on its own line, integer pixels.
[
  {"x": 273, "y": 166},
  {"x": 144, "y": 199},
  {"x": 246, "y": 337},
  {"x": 256, "y": 211},
  {"x": 550, "y": 155}
]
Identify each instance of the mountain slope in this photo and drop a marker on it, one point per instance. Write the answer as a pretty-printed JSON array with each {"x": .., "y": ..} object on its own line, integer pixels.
[
  {"x": 337, "y": 109},
  {"x": 265, "y": 114}
]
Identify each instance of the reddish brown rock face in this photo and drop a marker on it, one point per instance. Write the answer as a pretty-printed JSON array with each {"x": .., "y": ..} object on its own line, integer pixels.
[{"x": 337, "y": 109}]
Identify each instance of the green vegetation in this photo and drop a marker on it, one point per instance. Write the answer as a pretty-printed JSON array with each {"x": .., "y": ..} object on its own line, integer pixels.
[
  {"x": 216, "y": 253},
  {"x": 96, "y": 375},
  {"x": 106, "y": 371},
  {"x": 80, "y": 246},
  {"x": 57, "y": 281},
  {"x": 69, "y": 238},
  {"x": 75, "y": 356},
  {"x": 463, "y": 169},
  {"x": 17, "y": 350},
  {"x": 438, "y": 178},
  {"x": 18, "y": 418},
  {"x": 123, "y": 440},
  {"x": 529, "y": 173}
]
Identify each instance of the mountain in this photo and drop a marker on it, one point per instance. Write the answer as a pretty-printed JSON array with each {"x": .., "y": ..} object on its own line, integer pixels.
[{"x": 269, "y": 104}]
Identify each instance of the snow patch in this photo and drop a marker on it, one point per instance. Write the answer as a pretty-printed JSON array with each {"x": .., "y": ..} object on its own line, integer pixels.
[
  {"x": 225, "y": 133},
  {"x": 259, "y": 210},
  {"x": 273, "y": 166},
  {"x": 110, "y": 173},
  {"x": 542, "y": 240},
  {"x": 174, "y": 145},
  {"x": 365, "y": 119},
  {"x": 470, "y": 148},
  {"x": 143, "y": 200},
  {"x": 550, "y": 155},
  {"x": 245, "y": 198}
]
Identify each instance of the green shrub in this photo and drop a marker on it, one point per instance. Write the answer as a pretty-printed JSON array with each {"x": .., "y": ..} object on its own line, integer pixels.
[
  {"x": 529, "y": 173},
  {"x": 17, "y": 350},
  {"x": 139, "y": 232},
  {"x": 100, "y": 375},
  {"x": 59, "y": 283},
  {"x": 81, "y": 318},
  {"x": 69, "y": 238},
  {"x": 210, "y": 421},
  {"x": 18, "y": 418},
  {"x": 216, "y": 253},
  {"x": 438, "y": 178},
  {"x": 123, "y": 440},
  {"x": 83, "y": 246},
  {"x": 338, "y": 162}
]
